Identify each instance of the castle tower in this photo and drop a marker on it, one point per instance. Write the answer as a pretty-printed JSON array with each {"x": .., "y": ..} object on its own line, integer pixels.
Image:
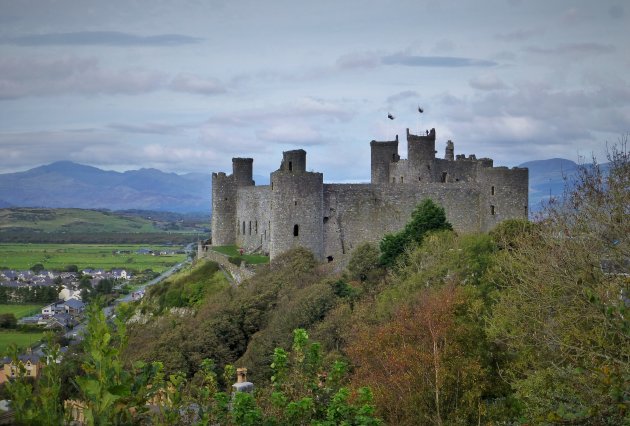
[
  {"x": 242, "y": 169},
  {"x": 293, "y": 161},
  {"x": 297, "y": 199},
  {"x": 383, "y": 153},
  {"x": 224, "y": 200},
  {"x": 449, "y": 152},
  {"x": 421, "y": 155}
]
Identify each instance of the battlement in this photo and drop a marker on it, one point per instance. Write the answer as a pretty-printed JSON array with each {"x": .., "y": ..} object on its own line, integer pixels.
[
  {"x": 428, "y": 137},
  {"x": 297, "y": 209},
  {"x": 293, "y": 161}
]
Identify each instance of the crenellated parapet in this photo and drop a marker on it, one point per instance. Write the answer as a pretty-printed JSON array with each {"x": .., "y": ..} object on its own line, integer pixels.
[{"x": 298, "y": 210}]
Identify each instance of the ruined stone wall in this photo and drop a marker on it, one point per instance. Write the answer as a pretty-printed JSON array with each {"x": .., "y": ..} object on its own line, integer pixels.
[
  {"x": 297, "y": 209},
  {"x": 420, "y": 155},
  {"x": 504, "y": 195},
  {"x": 296, "y": 212},
  {"x": 238, "y": 273},
  {"x": 355, "y": 213},
  {"x": 253, "y": 217},
  {"x": 382, "y": 155}
]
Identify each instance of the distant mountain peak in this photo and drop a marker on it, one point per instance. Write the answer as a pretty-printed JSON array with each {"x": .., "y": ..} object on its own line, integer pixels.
[{"x": 70, "y": 184}]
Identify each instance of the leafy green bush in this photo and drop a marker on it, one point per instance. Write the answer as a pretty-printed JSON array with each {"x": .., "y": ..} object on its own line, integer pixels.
[{"x": 427, "y": 217}]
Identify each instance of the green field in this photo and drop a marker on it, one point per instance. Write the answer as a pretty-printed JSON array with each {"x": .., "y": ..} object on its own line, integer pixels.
[
  {"x": 71, "y": 221},
  {"x": 22, "y": 340},
  {"x": 97, "y": 256},
  {"x": 20, "y": 310},
  {"x": 233, "y": 251}
]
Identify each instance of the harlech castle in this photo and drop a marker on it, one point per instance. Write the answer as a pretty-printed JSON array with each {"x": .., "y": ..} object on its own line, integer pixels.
[{"x": 299, "y": 209}]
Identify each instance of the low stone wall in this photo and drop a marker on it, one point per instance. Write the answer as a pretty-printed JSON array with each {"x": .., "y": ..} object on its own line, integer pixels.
[{"x": 239, "y": 273}]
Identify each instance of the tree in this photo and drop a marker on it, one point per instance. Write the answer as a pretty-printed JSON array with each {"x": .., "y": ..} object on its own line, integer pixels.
[
  {"x": 427, "y": 217},
  {"x": 562, "y": 311},
  {"x": 39, "y": 404},
  {"x": 8, "y": 321},
  {"x": 425, "y": 365},
  {"x": 37, "y": 268},
  {"x": 105, "y": 286},
  {"x": 364, "y": 264},
  {"x": 72, "y": 268}
]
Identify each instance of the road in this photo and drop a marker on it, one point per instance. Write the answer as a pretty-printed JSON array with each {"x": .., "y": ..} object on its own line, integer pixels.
[{"x": 77, "y": 331}]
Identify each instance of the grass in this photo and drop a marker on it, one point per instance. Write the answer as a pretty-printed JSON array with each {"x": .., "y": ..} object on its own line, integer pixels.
[
  {"x": 233, "y": 251},
  {"x": 98, "y": 256},
  {"x": 20, "y": 310},
  {"x": 71, "y": 220},
  {"x": 21, "y": 339}
]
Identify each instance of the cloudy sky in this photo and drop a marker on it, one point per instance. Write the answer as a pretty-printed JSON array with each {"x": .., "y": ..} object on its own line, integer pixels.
[{"x": 184, "y": 86}]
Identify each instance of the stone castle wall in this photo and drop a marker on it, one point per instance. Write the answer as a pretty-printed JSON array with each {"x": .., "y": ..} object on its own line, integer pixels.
[{"x": 298, "y": 209}]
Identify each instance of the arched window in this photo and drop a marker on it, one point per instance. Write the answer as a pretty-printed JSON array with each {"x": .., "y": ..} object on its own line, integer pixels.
[
  {"x": 296, "y": 230},
  {"x": 290, "y": 165}
]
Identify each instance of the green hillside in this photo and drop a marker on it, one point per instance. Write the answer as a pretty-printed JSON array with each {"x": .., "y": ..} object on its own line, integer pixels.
[
  {"x": 71, "y": 221},
  {"x": 43, "y": 225}
]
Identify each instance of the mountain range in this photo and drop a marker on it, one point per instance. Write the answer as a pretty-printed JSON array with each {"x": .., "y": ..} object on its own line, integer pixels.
[{"x": 68, "y": 184}]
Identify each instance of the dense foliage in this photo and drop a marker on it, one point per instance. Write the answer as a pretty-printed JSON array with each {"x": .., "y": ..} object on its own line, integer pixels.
[
  {"x": 427, "y": 217},
  {"x": 528, "y": 324},
  {"x": 29, "y": 294}
]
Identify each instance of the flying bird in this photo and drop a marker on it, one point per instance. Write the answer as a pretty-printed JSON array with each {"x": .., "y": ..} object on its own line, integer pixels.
[
  {"x": 391, "y": 117},
  {"x": 420, "y": 110}
]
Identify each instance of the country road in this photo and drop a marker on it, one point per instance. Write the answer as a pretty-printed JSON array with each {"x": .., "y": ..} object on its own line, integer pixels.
[{"x": 76, "y": 332}]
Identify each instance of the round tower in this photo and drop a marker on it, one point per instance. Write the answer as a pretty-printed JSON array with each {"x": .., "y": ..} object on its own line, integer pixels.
[
  {"x": 223, "y": 209},
  {"x": 297, "y": 200},
  {"x": 242, "y": 170},
  {"x": 293, "y": 161},
  {"x": 449, "y": 152},
  {"x": 421, "y": 155},
  {"x": 382, "y": 154}
]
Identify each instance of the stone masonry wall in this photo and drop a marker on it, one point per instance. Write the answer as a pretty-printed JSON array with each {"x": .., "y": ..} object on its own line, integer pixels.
[
  {"x": 356, "y": 213},
  {"x": 253, "y": 216},
  {"x": 296, "y": 212},
  {"x": 297, "y": 209}
]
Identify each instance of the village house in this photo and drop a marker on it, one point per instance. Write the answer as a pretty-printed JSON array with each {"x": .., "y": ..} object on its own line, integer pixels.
[{"x": 31, "y": 362}]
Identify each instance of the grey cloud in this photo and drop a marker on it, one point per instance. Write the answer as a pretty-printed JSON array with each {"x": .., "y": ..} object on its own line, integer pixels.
[
  {"x": 291, "y": 133},
  {"x": 148, "y": 128},
  {"x": 487, "y": 82},
  {"x": 27, "y": 148},
  {"x": 519, "y": 35},
  {"x": 194, "y": 84},
  {"x": 616, "y": 11},
  {"x": 42, "y": 77},
  {"x": 101, "y": 38},
  {"x": 572, "y": 49},
  {"x": 407, "y": 94},
  {"x": 359, "y": 60},
  {"x": 435, "y": 61},
  {"x": 305, "y": 107},
  {"x": 444, "y": 45},
  {"x": 536, "y": 121},
  {"x": 101, "y": 148},
  {"x": 20, "y": 77}
]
